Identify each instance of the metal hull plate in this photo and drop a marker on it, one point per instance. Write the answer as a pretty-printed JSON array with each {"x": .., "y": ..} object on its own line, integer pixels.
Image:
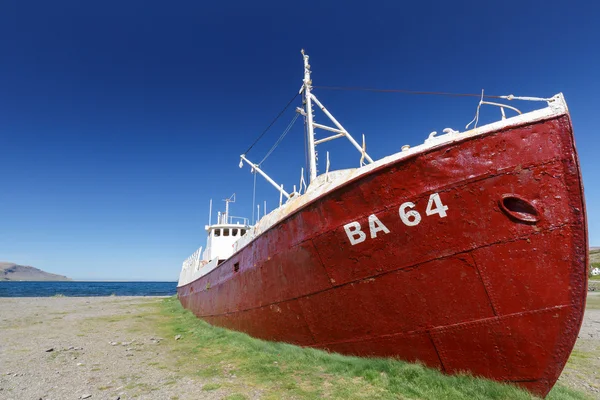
[{"x": 496, "y": 286}]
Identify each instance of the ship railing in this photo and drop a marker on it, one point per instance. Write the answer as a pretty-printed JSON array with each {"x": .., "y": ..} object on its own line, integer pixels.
[
  {"x": 193, "y": 261},
  {"x": 234, "y": 220},
  {"x": 503, "y": 106}
]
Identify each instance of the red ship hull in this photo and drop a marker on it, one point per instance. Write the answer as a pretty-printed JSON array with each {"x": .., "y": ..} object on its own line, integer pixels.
[{"x": 494, "y": 284}]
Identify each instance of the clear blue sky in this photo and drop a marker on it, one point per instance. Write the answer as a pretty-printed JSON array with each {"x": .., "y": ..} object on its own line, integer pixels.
[{"x": 119, "y": 120}]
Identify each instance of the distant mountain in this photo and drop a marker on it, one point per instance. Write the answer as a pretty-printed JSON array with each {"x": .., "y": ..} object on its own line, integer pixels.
[{"x": 15, "y": 272}]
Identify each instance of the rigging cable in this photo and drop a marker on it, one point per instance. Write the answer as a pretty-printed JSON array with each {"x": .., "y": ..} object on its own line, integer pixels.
[
  {"x": 285, "y": 132},
  {"x": 408, "y": 92},
  {"x": 272, "y": 122}
]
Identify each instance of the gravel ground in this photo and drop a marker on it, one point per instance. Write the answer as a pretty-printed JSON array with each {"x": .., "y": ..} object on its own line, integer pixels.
[
  {"x": 105, "y": 348},
  {"x": 582, "y": 372},
  {"x": 88, "y": 348}
]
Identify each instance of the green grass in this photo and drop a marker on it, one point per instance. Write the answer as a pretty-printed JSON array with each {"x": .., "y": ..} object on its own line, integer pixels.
[
  {"x": 281, "y": 370},
  {"x": 236, "y": 396},
  {"x": 593, "y": 301},
  {"x": 211, "y": 386}
]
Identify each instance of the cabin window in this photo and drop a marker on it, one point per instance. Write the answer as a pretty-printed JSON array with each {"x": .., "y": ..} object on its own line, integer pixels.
[
  {"x": 217, "y": 232},
  {"x": 236, "y": 267},
  {"x": 234, "y": 232},
  {"x": 226, "y": 232},
  {"x": 243, "y": 232}
]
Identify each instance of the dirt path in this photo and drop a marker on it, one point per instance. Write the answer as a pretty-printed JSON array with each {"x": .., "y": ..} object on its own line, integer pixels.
[{"x": 96, "y": 348}]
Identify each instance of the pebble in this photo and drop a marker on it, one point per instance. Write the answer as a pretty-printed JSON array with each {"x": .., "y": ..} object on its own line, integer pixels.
[
  {"x": 50, "y": 349},
  {"x": 113, "y": 343},
  {"x": 177, "y": 337},
  {"x": 86, "y": 396}
]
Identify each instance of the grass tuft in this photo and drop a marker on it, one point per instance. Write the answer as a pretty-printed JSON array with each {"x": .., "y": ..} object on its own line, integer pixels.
[
  {"x": 211, "y": 386},
  {"x": 236, "y": 396}
]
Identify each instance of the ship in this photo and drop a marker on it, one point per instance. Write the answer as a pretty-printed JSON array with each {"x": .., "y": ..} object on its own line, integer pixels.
[{"x": 467, "y": 252}]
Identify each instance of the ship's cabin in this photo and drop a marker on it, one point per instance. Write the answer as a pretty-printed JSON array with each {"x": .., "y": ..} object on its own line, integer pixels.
[{"x": 220, "y": 240}]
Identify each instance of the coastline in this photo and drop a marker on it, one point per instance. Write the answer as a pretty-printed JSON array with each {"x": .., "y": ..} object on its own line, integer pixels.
[
  {"x": 19, "y": 289},
  {"x": 121, "y": 348}
]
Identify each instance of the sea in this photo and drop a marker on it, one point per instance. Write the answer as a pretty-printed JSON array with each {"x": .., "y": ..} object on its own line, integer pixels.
[{"x": 84, "y": 289}]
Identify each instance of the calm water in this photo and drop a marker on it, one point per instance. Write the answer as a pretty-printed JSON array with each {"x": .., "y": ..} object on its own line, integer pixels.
[{"x": 47, "y": 289}]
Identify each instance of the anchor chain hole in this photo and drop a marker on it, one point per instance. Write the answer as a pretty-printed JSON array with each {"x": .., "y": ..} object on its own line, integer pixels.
[{"x": 517, "y": 208}]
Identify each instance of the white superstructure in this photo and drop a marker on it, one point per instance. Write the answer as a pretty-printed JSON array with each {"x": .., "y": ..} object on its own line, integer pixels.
[{"x": 220, "y": 241}]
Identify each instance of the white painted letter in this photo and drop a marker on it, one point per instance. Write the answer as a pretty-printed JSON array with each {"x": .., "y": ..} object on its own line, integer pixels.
[
  {"x": 434, "y": 199},
  {"x": 375, "y": 225},
  {"x": 406, "y": 216},
  {"x": 355, "y": 235}
]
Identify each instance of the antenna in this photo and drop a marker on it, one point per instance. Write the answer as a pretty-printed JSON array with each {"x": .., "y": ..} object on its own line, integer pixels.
[
  {"x": 301, "y": 178},
  {"x": 227, "y": 201},
  {"x": 210, "y": 213},
  {"x": 327, "y": 168}
]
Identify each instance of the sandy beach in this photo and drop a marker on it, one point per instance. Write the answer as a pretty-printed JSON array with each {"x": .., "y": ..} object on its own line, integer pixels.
[{"x": 111, "y": 348}]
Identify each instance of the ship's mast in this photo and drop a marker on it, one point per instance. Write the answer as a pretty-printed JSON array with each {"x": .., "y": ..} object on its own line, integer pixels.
[
  {"x": 312, "y": 155},
  {"x": 339, "y": 130}
]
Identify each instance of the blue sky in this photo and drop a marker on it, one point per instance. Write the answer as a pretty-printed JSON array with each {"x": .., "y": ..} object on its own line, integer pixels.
[{"x": 120, "y": 120}]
